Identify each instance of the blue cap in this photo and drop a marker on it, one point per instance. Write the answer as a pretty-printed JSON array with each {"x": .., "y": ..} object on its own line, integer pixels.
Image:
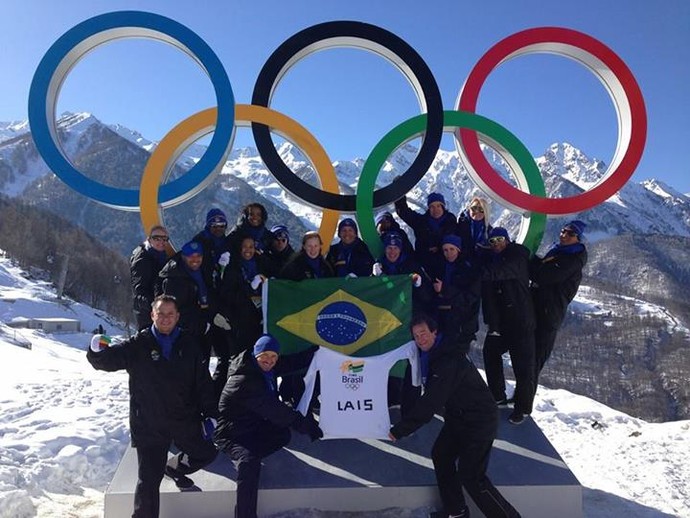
[
  {"x": 577, "y": 226},
  {"x": 280, "y": 230},
  {"x": 191, "y": 248},
  {"x": 435, "y": 196},
  {"x": 384, "y": 215},
  {"x": 393, "y": 239},
  {"x": 452, "y": 239},
  {"x": 215, "y": 216},
  {"x": 266, "y": 343},
  {"x": 347, "y": 222},
  {"x": 499, "y": 232}
]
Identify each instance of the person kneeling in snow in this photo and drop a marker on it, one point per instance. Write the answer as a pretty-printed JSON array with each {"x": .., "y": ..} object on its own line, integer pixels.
[
  {"x": 170, "y": 400},
  {"x": 253, "y": 422}
]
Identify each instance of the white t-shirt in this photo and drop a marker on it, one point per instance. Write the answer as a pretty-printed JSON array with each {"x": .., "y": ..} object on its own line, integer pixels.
[{"x": 354, "y": 391}]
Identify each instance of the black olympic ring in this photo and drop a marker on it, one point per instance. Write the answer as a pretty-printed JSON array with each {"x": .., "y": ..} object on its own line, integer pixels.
[{"x": 354, "y": 34}]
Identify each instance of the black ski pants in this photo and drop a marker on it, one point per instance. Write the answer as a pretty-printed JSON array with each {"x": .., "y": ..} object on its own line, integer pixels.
[
  {"x": 246, "y": 453},
  {"x": 461, "y": 461},
  {"x": 195, "y": 453}
]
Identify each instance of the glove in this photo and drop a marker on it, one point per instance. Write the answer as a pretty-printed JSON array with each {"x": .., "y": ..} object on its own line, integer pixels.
[
  {"x": 222, "y": 322},
  {"x": 208, "y": 426},
  {"x": 256, "y": 281},
  {"x": 351, "y": 275},
  {"x": 224, "y": 259},
  {"x": 377, "y": 269},
  {"x": 416, "y": 280},
  {"x": 99, "y": 343}
]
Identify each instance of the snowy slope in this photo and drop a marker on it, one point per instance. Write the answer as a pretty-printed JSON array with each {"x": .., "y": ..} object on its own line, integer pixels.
[{"x": 63, "y": 428}]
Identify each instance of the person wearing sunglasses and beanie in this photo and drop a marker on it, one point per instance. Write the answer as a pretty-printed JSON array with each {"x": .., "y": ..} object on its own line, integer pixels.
[
  {"x": 281, "y": 250},
  {"x": 215, "y": 244},
  {"x": 474, "y": 227},
  {"x": 145, "y": 264},
  {"x": 555, "y": 279},
  {"x": 509, "y": 313}
]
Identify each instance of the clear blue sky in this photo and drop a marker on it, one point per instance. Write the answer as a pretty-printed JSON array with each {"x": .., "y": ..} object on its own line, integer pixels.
[{"x": 349, "y": 98}]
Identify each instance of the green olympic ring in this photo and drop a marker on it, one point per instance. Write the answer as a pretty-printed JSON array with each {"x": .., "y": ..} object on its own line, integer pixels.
[{"x": 511, "y": 149}]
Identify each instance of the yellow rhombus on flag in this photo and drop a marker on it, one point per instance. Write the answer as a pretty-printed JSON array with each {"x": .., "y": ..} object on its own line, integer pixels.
[{"x": 377, "y": 324}]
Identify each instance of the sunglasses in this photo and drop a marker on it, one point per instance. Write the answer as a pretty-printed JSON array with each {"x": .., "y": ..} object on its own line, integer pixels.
[
  {"x": 283, "y": 239},
  {"x": 219, "y": 225},
  {"x": 497, "y": 239},
  {"x": 477, "y": 208},
  {"x": 568, "y": 232},
  {"x": 165, "y": 239}
]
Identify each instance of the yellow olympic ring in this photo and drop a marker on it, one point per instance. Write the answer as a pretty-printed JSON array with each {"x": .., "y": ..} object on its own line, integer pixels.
[{"x": 169, "y": 149}]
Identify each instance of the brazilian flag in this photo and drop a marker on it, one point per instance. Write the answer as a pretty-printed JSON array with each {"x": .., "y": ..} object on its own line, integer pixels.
[{"x": 364, "y": 316}]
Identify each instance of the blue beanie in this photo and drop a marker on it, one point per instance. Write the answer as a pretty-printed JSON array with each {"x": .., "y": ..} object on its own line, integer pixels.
[
  {"x": 393, "y": 239},
  {"x": 435, "y": 196},
  {"x": 347, "y": 222},
  {"x": 452, "y": 239},
  {"x": 266, "y": 343},
  {"x": 383, "y": 216},
  {"x": 191, "y": 248},
  {"x": 577, "y": 226},
  {"x": 215, "y": 216},
  {"x": 278, "y": 230},
  {"x": 499, "y": 232}
]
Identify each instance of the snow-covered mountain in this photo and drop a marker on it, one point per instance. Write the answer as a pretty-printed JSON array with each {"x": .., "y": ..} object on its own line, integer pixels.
[
  {"x": 640, "y": 207},
  {"x": 64, "y": 426}
]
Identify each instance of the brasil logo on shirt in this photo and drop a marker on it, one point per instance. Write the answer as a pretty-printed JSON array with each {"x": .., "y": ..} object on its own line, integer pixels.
[{"x": 367, "y": 315}]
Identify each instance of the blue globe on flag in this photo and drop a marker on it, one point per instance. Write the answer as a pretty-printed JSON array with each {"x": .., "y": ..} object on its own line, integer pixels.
[{"x": 341, "y": 323}]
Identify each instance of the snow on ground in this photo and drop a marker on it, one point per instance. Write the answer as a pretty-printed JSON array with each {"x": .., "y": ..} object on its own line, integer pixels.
[{"x": 63, "y": 429}]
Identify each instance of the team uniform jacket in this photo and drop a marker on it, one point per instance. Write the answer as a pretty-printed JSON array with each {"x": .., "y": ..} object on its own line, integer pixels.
[
  {"x": 298, "y": 269},
  {"x": 144, "y": 269},
  {"x": 174, "y": 280},
  {"x": 357, "y": 259},
  {"x": 168, "y": 398},
  {"x": 248, "y": 402},
  {"x": 426, "y": 236},
  {"x": 455, "y": 389},
  {"x": 555, "y": 281}
]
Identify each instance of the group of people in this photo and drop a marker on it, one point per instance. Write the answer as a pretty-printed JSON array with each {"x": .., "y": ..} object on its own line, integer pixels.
[{"x": 205, "y": 301}]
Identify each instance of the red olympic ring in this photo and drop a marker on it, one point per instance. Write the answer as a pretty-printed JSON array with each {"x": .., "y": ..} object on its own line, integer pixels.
[{"x": 613, "y": 73}]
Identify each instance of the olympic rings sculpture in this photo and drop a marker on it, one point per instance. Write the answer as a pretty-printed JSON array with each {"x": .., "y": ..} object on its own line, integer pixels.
[{"x": 155, "y": 194}]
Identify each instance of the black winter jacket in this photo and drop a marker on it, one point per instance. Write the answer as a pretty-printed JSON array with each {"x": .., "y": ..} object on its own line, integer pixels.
[
  {"x": 144, "y": 269},
  {"x": 357, "y": 259},
  {"x": 426, "y": 236},
  {"x": 457, "y": 305},
  {"x": 506, "y": 297},
  {"x": 174, "y": 280},
  {"x": 211, "y": 255},
  {"x": 455, "y": 389},
  {"x": 555, "y": 281},
  {"x": 247, "y": 402},
  {"x": 298, "y": 269},
  {"x": 167, "y": 398}
]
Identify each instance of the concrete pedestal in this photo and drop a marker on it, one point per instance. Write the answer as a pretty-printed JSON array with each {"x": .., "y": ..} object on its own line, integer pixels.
[{"x": 366, "y": 475}]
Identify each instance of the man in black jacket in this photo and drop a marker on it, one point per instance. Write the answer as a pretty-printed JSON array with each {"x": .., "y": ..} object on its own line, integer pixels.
[
  {"x": 144, "y": 266},
  {"x": 429, "y": 228},
  {"x": 510, "y": 316},
  {"x": 253, "y": 422},
  {"x": 171, "y": 396},
  {"x": 555, "y": 279},
  {"x": 190, "y": 284},
  {"x": 350, "y": 256},
  {"x": 454, "y": 387}
]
